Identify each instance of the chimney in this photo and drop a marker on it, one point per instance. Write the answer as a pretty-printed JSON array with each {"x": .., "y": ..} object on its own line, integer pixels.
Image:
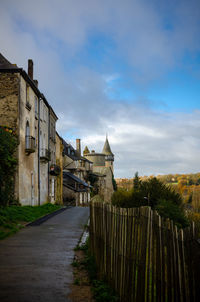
[
  {"x": 78, "y": 146},
  {"x": 30, "y": 68},
  {"x": 36, "y": 82}
]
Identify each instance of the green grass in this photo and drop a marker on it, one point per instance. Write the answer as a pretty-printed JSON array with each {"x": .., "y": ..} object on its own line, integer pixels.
[{"x": 13, "y": 218}]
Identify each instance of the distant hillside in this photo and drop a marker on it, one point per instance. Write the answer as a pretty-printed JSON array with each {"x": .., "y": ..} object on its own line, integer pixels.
[{"x": 188, "y": 185}]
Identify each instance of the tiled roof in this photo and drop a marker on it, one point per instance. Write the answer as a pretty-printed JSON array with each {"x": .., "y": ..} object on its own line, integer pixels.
[
  {"x": 106, "y": 148},
  {"x": 65, "y": 174},
  {"x": 5, "y": 64}
]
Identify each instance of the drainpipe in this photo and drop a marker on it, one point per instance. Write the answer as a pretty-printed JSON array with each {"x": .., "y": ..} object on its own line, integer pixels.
[
  {"x": 48, "y": 147},
  {"x": 16, "y": 188},
  {"x": 39, "y": 151}
]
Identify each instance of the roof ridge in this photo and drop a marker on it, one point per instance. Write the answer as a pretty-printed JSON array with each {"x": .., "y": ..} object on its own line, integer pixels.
[{"x": 5, "y": 64}]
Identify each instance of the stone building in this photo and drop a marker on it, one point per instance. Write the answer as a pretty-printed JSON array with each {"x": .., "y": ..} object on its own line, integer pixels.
[
  {"x": 76, "y": 169},
  {"x": 55, "y": 170},
  {"x": 24, "y": 108},
  {"x": 102, "y": 169},
  {"x": 45, "y": 154},
  {"x": 59, "y": 163}
]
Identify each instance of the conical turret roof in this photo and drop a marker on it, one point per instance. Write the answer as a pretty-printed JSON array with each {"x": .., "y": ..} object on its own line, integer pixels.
[
  {"x": 106, "y": 148},
  {"x": 86, "y": 150}
]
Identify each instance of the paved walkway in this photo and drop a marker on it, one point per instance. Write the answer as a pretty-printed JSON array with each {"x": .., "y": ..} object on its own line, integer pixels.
[{"x": 35, "y": 263}]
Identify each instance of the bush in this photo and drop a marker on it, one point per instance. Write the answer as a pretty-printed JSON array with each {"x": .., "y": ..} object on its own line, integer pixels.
[
  {"x": 8, "y": 164},
  {"x": 121, "y": 198},
  {"x": 153, "y": 193},
  {"x": 195, "y": 217},
  {"x": 144, "y": 193},
  {"x": 114, "y": 183},
  {"x": 153, "y": 190},
  {"x": 168, "y": 209}
]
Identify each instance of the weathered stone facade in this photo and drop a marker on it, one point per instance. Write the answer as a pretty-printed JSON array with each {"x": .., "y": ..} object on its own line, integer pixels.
[
  {"x": 52, "y": 148},
  {"x": 15, "y": 94},
  {"x": 27, "y": 112},
  {"x": 102, "y": 169},
  {"x": 59, "y": 162},
  {"x": 43, "y": 115},
  {"x": 76, "y": 189},
  {"x": 9, "y": 96},
  {"x": 28, "y": 140}
]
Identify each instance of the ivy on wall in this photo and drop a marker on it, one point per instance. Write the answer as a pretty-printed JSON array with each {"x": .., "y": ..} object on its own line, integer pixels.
[{"x": 8, "y": 164}]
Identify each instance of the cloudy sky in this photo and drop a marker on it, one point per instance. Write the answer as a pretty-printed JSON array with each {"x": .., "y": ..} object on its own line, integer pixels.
[{"x": 128, "y": 68}]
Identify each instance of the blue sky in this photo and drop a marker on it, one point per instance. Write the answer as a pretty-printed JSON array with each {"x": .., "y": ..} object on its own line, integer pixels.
[{"x": 127, "y": 68}]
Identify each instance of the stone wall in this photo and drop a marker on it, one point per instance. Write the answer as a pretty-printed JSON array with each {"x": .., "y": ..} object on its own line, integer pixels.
[
  {"x": 44, "y": 144},
  {"x": 9, "y": 91},
  {"x": 59, "y": 162},
  {"x": 105, "y": 183},
  {"x": 28, "y": 163},
  {"x": 98, "y": 159}
]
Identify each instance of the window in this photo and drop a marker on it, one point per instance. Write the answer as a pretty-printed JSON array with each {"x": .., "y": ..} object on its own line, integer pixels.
[
  {"x": 30, "y": 145},
  {"x": 36, "y": 136},
  {"x": 44, "y": 113},
  {"x": 41, "y": 110},
  {"x": 36, "y": 107},
  {"x": 44, "y": 142},
  {"x": 28, "y": 105},
  {"x": 27, "y": 135}
]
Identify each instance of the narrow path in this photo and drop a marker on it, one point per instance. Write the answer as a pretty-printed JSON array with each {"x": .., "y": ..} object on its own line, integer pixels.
[{"x": 35, "y": 263}]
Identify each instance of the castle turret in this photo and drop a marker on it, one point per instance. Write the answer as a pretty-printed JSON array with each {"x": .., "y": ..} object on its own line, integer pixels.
[
  {"x": 86, "y": 151},
  {"x": 109, "y": 156}
]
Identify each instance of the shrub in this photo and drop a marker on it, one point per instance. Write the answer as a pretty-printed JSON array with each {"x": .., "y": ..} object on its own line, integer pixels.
[
  {"x": 195, "y": 217},
  {"x": 154, "y": 190},
  {"x": 121, "y": 198},
  {"x": 168, "y": 209},
  {"x": 153, "y": 193},
  {"x": 8, "y": 164}
]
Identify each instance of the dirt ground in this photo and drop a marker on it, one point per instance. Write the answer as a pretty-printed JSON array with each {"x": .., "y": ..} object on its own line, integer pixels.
[{"x": 80, "y": 289}]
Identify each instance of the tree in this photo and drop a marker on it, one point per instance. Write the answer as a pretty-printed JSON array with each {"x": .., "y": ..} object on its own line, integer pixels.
[
  {"x": 154, "y": 193},
  {"x": 8, "y": 163},
  {"x": 153, "y": 190},
  {"x": 168, "y": 209},
  {"x": 114, "y": 183},
  {"x": 136, "y": 182},
  {"x": 121, "y": 198}
]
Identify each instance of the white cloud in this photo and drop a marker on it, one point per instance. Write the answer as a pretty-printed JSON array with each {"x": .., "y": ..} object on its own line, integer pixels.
[{"x": 54, "y": 33}]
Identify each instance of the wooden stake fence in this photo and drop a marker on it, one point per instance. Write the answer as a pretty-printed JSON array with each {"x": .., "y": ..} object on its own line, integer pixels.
[{"x": 143, "y": 257}]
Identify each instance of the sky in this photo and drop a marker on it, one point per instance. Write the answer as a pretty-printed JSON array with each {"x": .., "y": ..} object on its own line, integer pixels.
[{"x": 129, "y": 69}]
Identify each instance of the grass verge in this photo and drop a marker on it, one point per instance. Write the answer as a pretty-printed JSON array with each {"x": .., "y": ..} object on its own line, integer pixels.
[
  {"x": 13, "y": 218},
  {"x": 102, "y": 292}
]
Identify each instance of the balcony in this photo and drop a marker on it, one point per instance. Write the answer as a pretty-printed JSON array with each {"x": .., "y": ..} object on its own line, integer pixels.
[
  {"x": 30, "y": 144},
  {"x": 45, "y": 155},
  {"x": 55, "y": 170}
]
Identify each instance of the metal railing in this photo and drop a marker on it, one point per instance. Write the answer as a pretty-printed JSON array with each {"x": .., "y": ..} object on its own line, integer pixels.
[
  {"x": 45, "y": 154},
  {"x": 30, "y": 144}
]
